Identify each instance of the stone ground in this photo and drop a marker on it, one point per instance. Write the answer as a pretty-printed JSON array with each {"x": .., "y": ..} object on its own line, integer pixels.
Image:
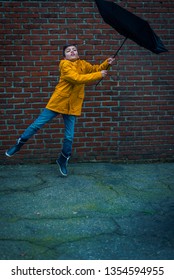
[{"x": 101, "y": 211}]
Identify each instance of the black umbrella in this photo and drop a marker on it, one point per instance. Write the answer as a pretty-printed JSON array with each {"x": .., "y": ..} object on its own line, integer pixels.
[{"x": 130, "y": 26}]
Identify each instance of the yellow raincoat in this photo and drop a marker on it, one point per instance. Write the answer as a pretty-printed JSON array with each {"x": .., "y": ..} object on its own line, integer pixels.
[{"x": 68, "y": 95}]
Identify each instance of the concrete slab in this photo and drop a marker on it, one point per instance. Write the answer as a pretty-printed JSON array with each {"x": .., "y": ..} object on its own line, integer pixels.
[{"x": 101, "y": 211}]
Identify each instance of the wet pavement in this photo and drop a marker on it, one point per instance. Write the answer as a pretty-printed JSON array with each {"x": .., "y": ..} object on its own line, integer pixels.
[{"x": 101, "y": 211}]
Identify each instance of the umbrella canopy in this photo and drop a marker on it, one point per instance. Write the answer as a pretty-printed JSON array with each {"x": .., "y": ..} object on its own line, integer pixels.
[{"x": 130, "y": 26}]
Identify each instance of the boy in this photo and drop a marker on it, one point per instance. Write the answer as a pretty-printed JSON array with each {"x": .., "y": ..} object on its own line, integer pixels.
[{"x": 67, "y": 100}]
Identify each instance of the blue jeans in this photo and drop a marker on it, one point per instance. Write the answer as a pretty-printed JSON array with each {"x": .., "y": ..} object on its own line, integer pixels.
[{"x": 46, "y": 116}]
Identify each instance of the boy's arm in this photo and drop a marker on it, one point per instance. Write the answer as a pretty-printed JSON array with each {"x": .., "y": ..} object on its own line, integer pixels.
[
  {"x": 70, "y": 75},
  {"x": 97, "y": 67},
  {"x": 103, "y": 66}
]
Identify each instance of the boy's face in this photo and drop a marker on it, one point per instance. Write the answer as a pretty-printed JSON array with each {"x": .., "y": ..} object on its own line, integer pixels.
[{"x": 71, "y": 53}]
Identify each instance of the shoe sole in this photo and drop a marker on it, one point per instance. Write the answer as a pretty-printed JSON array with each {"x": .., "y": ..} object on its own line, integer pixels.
[
  {"x": 7, "y": 154},
  {"x": 63, "y": 174}
]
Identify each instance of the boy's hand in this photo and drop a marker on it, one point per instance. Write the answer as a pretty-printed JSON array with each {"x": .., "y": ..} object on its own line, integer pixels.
[
  {"x": 111, "y": 60},
  {"x": 104, "y": 73}
]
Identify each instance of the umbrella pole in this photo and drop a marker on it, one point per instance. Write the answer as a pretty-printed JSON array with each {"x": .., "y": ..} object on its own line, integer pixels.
[
  {"x": 114, "y": 57},
  {"x": 120, "y": 47}
]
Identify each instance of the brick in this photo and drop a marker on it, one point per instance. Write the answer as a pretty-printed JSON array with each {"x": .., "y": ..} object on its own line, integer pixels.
[{"x": 131, "y": 111}]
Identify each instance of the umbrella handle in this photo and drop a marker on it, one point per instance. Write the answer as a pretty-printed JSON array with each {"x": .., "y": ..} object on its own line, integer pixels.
[{"x": 114, "y": 57}]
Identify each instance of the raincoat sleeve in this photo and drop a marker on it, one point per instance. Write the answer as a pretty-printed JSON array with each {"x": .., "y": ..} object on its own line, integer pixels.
[
  {"x": 98, "y": 67},
  {"x": 71, "y": 75}
]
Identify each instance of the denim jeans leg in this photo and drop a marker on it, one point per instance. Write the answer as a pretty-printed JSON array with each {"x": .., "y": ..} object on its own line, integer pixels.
[
  {"x": 43, "y": 118},
  {"x": 69, "y": 121}
]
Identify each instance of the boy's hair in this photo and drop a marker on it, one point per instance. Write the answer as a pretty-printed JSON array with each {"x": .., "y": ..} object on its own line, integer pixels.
[{"x": 66, "y": 46}]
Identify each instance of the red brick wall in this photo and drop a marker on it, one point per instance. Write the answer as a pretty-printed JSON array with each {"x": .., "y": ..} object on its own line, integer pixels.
[{"x": 129, "y": 117}]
